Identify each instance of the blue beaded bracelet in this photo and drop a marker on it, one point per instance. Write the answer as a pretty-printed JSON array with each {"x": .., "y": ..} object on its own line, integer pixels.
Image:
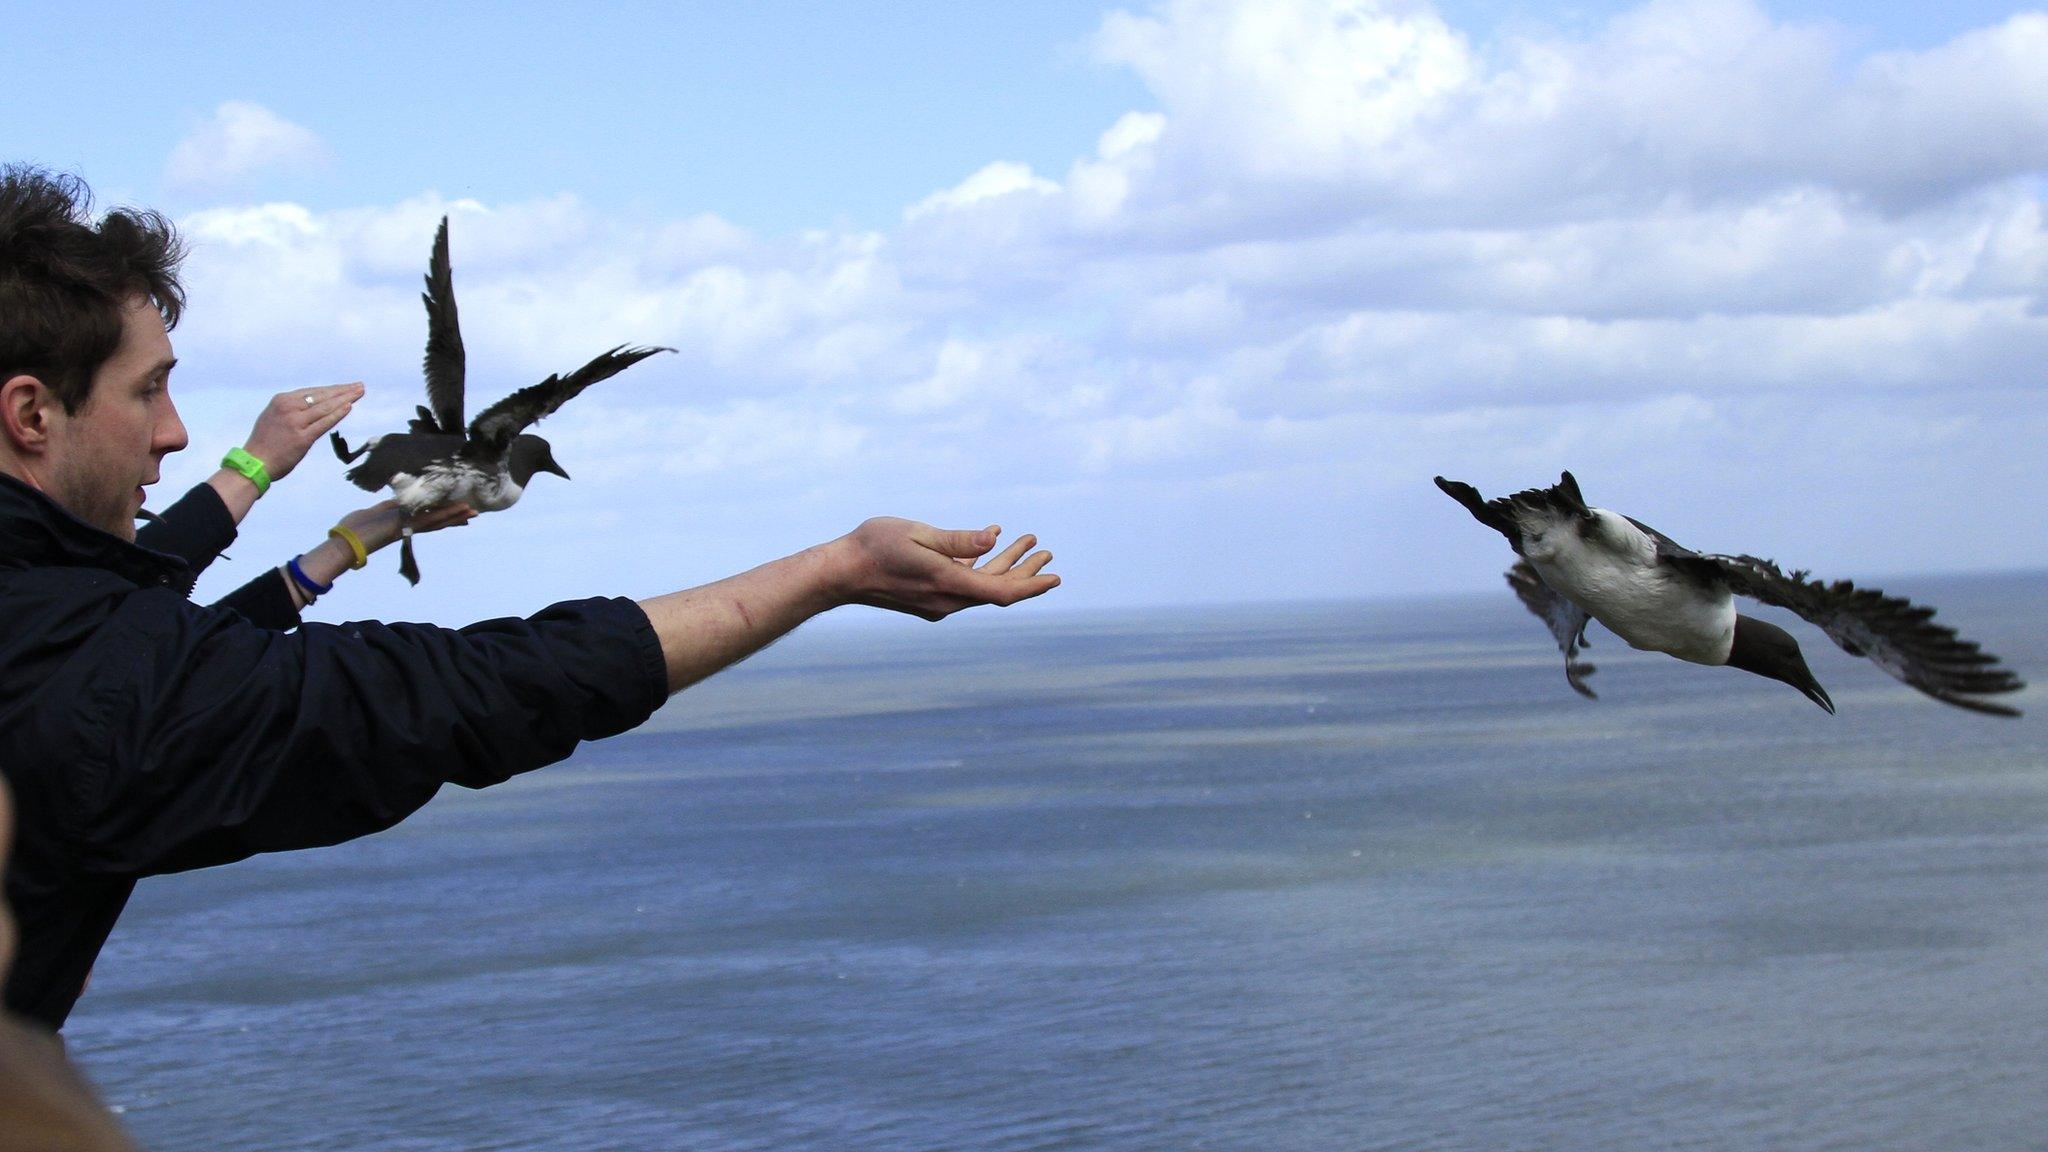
[{"x": 305, "y": 581}]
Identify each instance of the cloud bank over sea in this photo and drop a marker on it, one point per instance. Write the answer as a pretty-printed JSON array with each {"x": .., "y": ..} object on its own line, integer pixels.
[{"x": 1762, "y": 290}]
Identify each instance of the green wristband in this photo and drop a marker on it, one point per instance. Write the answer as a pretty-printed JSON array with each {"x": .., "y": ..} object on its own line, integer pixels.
[{"x": 239, "y": 460}]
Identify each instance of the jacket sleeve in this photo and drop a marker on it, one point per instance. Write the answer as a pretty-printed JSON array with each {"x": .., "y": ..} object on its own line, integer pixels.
[
  {"x": 224, "y": 739},
  {"x": 196, "y": 529},
  {"x": 264, "y": 602}
]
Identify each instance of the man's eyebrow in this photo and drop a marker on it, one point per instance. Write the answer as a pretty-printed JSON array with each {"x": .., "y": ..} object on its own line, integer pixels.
[{"x": 160, "y": 367}]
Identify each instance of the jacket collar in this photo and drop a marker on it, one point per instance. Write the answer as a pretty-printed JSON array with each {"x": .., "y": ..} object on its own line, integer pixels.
[{"x": 35, "y": 532}]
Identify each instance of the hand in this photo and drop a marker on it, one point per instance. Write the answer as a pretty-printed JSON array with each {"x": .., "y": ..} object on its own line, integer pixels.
[
  {"x": 376, "y": 526},
  {"x": 381, "y": 524},
  {"x": 924, "y": 571},
  {"x": 289, "y": 425}
]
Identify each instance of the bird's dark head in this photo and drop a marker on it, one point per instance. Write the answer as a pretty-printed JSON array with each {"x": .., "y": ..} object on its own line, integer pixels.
[
  {"x": 530, "y": 454},
  {"x": 1768, "y": 650}
]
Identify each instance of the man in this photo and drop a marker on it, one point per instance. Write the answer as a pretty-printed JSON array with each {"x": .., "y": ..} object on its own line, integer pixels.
[{"x": 144, "y": 734}]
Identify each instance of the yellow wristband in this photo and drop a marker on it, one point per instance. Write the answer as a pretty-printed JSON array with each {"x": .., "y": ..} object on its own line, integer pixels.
[{"x": 346, "y": 535}]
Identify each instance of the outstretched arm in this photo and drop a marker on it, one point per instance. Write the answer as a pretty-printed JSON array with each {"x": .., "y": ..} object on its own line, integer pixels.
[
  {"x": 888, "y": 563},
  {"x": 271, "y": 741}
]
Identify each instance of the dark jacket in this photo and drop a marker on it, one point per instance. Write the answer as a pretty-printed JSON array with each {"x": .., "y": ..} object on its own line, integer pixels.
[
  {"x": 199, "y": 528},
  {"x": 145, "y": 734}
]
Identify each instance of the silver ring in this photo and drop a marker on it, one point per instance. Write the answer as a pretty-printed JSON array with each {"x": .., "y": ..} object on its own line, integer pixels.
[{"x": 309, "y": 397}]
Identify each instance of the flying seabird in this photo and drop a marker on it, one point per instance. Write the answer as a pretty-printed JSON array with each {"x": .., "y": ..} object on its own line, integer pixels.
[
  {"x": 437, "y": 461},
  {"x": 1580, "y": 563}
]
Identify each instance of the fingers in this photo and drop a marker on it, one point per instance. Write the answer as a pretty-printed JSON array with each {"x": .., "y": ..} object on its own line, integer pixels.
[
  {"x": 1035, "y": 565},
  {"x": 293, "y": 420},
  {"x": 1004, "y": 581},
  {"x": 310, "y": 411},
  {"x": 325, "y": 423},
  {"x": 960, "y": 545},
  {"x": 447, "y": 516},
  {"x": 322, "y": 394},
  {"x": 1002, "y": 593},
  {"x": 1002, "y": 561},
  {"x": 328, "y": 406}
]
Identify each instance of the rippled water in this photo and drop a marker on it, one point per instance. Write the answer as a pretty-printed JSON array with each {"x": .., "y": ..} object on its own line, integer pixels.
[{"x": 1327, "y": 877}]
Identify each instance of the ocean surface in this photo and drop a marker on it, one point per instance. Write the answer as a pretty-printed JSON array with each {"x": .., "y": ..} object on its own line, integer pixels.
[{"x": 1310, "y": 877}]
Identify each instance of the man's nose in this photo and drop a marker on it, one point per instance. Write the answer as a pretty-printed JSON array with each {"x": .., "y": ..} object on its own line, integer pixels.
[{"x": 170, "y": 433}]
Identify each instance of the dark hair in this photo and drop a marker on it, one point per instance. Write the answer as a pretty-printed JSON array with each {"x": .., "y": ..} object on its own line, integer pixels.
[{"x": 64, "y": 280}]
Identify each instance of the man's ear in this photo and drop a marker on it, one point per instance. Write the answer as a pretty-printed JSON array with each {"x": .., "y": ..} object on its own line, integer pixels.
[{"x": 25, "y": 412}]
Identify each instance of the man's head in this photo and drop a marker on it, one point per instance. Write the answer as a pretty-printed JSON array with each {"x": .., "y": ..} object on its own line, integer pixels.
[{"x": 85, "y": 411}]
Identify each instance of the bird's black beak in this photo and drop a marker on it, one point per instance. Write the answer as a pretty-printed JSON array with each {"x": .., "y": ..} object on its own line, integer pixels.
[
  {"x": 1794, "y": 671},
  {"x": 557, "y": 469},
  {"x": 1816, "y": 693}
]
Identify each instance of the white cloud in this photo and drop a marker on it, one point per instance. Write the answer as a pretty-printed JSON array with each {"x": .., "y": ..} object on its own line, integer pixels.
[
  {"x": 1350, "y": 249},
  {"x": 1294, "y": 87},
  {"x": 1309, "y": 110},
  {"x": 1002, "y": 178},
  {"x": 240, "y": 140}
]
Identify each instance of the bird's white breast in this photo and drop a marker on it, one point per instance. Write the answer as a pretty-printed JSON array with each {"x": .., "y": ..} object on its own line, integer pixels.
[
  {"x": 435, "y": 486},
  {"x": 1611, "y": 571}
]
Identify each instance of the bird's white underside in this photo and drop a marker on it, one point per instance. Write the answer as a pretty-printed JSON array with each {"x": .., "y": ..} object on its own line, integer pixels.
[
  {"x": 1612, "y": 572},
  {"x": 434, "y": 487}
]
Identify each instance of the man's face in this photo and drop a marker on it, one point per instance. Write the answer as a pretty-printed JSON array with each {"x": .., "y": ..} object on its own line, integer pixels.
[{"x": 101, "y": 457}]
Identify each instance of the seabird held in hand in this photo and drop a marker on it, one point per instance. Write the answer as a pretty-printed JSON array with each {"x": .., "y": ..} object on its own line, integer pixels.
[
  {"x": 487, "y": 465},
  {"x": 1580, "y": 563}
]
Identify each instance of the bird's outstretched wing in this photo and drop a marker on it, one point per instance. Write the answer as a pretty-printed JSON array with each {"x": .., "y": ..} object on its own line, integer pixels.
[
  {"x": 1503, "y": 514},
  {"x": 494, "y": 427},
  {"x": 1492, "y": 513},
  {"x": 1566, "y": 620},
  {"x": 1894, "y": 634},
  {"x": 444, "y": 362}
]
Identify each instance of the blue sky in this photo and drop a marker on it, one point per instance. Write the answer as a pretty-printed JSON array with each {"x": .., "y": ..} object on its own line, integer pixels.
[
  {"x": 1202, "y": 292},
  {"x": 775, "y": 116}
]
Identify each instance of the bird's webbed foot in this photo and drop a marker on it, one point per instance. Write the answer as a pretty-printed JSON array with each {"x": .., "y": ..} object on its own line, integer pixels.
[{"x": 1575, "y": 673}]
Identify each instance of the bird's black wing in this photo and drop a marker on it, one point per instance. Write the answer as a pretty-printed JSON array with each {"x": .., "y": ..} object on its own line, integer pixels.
[
  {"x": 1561, "y": 500},
  {"x": 494, "y": 427},
  {"x": 1487, "y": 512},
  {"x": 1895, "y": 634},
  {"x": 408, "y": 452},
  {"x": 1566, "y": 620},
  {"x": 444, "y": 362}
]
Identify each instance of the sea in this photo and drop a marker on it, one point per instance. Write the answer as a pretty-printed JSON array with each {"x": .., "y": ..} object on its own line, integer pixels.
[{"x": 1283, "y": 878}]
